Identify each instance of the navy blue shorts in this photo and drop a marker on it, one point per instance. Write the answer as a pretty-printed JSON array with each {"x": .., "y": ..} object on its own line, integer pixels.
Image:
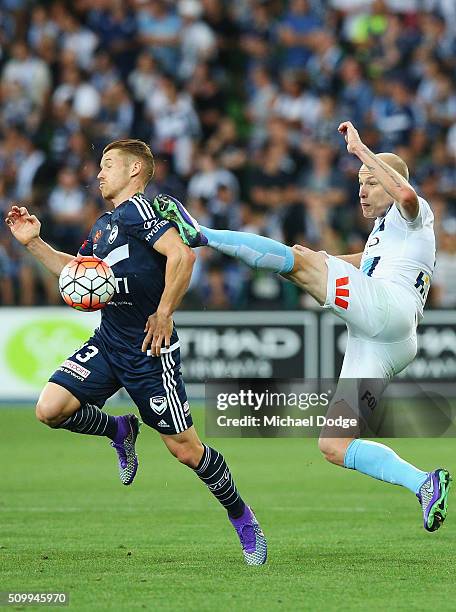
[{"x": 93, "y": 374}]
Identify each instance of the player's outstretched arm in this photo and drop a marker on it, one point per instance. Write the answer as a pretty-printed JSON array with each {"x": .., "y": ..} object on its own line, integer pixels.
[
  {"x": 26, "y": 229},
  {"x": 179, "y": 266},
  {"x": 394, "y": 184}
]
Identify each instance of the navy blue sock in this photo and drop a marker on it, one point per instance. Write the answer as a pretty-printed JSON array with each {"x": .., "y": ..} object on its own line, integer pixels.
[
  {"x": 214, "y": 472},
  {"x": 90, "y": 420}
]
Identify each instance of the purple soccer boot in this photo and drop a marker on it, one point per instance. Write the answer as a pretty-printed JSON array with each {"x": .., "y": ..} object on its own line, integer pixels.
[
  {"x": 433, "y": 497},
  {"x": 252, "y": 538},
  {"x": 124, "y": 443}
]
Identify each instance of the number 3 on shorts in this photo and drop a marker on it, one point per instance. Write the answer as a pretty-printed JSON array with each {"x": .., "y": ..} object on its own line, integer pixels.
[{"x": 90, "y": 351}]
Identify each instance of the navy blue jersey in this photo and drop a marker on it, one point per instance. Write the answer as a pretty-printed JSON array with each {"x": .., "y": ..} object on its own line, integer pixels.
[{"x": 124, "y": 239}]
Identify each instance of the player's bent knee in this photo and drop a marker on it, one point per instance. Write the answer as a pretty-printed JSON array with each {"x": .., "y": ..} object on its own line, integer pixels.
[
  {"x": 331, "y": 450},
  {"x": 301, "y": 259},
  {"x": 50, "y": 413},
  {"x": 309, "y": 272},
  {"x": 55, "y": 405}
]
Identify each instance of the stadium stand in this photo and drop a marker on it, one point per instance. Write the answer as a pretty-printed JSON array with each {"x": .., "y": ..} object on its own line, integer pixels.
[{"x": 240, "y": 102}]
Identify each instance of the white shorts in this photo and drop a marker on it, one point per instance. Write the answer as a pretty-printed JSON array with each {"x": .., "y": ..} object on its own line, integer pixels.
[{"x": 381, "y": 319}]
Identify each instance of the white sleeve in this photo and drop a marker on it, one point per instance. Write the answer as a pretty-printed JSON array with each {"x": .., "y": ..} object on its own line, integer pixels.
[
  {"x": 423, "y": 214},
  {"x": 438, "y": 278}
]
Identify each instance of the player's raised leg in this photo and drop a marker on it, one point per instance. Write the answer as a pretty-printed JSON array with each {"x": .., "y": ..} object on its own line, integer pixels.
[
  {"x": 59, "y": 409},
  {"x": 210, "y": 466},
  {"x": 256, "y": 251},
  {"x": 304, "y": 267},
  {"x": 72, "y": 399}
]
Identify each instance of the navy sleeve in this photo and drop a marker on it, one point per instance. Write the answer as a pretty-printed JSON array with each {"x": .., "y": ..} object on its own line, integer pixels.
[{"x": 142, "y": 221}]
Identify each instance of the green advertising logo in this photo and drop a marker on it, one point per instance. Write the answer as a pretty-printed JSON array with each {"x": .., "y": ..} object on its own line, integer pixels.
[{"x": 36, "y": 349}]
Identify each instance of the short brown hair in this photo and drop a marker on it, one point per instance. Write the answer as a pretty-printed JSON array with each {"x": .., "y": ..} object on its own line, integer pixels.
[{"x": 135, "y": 148}]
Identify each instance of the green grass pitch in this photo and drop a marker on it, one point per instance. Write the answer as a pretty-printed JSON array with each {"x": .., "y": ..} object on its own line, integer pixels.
[{"x": 337, "y": 540}]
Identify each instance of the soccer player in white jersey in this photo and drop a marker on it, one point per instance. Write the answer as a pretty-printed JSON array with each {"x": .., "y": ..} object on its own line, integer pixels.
[{"x": 380, "y": 294}]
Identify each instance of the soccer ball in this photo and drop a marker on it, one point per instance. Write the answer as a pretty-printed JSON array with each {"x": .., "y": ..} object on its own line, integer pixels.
[{"x": 87, "y": 283}]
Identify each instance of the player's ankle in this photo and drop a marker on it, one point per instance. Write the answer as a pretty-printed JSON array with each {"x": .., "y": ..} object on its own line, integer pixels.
[{"x": 237, "y": 511}]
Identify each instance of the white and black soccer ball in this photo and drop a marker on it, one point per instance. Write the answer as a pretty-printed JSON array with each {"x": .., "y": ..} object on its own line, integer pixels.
[{"x": 87, "y": 283}]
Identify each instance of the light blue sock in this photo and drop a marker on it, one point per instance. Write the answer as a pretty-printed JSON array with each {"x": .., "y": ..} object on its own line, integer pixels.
[
  {"x": 381, "y": 462},
  {"x": 257, "y": 252}
]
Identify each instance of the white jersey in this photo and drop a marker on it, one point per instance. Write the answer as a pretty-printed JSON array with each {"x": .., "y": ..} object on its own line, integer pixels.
[{"x": 402, "y": 251}]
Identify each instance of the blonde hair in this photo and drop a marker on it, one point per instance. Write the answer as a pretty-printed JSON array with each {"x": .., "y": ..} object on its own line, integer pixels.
[{"x": 135, "y": 148}]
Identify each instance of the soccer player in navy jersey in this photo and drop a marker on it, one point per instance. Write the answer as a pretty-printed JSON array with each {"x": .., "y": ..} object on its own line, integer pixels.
[{"x": 136, "y": 345}]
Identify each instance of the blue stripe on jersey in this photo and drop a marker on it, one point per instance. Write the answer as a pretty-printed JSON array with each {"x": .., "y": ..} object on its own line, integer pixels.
[
  {"x": 370, "y": 264},
  {"x": 381, "y": 226}
]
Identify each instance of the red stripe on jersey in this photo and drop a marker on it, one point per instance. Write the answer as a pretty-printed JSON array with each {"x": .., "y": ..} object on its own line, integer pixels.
[
  {"x": 340, "y": 302},
  {"x": 342, "y": 281},
  {"x": 343, "y": 292}
]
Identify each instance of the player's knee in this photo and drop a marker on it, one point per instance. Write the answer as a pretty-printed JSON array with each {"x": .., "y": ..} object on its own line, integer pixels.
[
  {"x": 49, "y": 412},
  {"x": 301, "y": 260},
  {"x": 300, "y": 272},
  {"x": 309, "y": 271},
  {"x": 331, "y": 450}
]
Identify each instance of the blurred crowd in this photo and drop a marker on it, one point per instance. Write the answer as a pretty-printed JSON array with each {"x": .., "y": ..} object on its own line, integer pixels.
[{"x": 240, "y": 102}]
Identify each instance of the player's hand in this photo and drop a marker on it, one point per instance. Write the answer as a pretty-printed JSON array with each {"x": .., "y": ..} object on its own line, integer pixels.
[
  {"x": 22, "y": 224},
  {"x": 351, "y": 136},
  {"x": 159, "y": 328}
]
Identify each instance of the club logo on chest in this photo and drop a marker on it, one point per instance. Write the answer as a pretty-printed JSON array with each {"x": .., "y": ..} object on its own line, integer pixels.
[{"x": 113, "y": 234}]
